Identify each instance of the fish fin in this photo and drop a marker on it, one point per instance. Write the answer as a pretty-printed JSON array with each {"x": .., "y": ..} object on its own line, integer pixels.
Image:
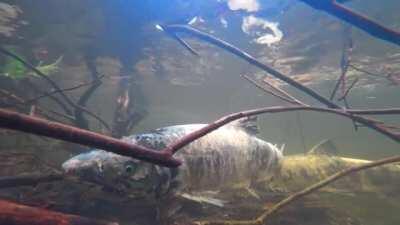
[
  {"x": 202, "y": 199},
  {"x": 282, "y": 148},
  {"x": 249, "y": 124},
  {"x": 325, "y": 147}
]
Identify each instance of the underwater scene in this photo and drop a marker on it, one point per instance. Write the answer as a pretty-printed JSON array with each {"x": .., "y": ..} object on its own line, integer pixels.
[{"x": 200, "y": 112}]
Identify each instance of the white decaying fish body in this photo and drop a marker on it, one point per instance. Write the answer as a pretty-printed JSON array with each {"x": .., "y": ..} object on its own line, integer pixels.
[
  {"x": 228, "y": 155},
  {"x": 224, "y": 157}
]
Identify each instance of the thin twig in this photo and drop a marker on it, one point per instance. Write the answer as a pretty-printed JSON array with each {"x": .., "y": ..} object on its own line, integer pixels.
[
  {"x": 346, "y": 93},
  {"x": 17, "y": 214},
  {"x": 58, "y": 101},
  {"x": 17, "y": 121},
  {"x": 81, "y": 121},
  {"x": 284, "y": 98},
  {"x": 48, "y": 94},
  {"x": 184, "y": 44},
  {"x": 22, "y": 102},
  {"x": 262, "y": 219},
  {"x": 53, "y": 84},
  {"x": 180, "y": 143},
  {"x": 344, "y": 61},
  {"x": 283, "y": 92},
  {"x": 247, "y": 57},
  {"x": 250, "y": 59}
]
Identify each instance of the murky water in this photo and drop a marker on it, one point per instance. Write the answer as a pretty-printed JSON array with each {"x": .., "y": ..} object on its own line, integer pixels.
[{"x": 167, "y": 85}]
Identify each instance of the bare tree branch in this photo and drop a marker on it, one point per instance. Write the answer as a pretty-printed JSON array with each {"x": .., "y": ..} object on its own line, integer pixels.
[
  {"x": 22, "y": 103},
  {"x": 53, "y": 84},
  {"x": 48, "y": 94},
  {"x": 15, "y": 214},
  {"x": 81, "y": 121},
  {"x": 250, "y": 59},
  {"x": 284, "y": 98},
  {"x": 34, "y": 125},
  {"x": 17, "y": 121},
  {"x": 348, "y": 89},
  {"x": 356, "y": 19}
]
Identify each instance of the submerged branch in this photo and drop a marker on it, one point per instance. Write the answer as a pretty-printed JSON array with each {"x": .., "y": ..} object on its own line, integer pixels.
[
  {"x": 285, "y": 97},
  {"x": 34, "y": 125},
  {"x": 346, "y": 93},
  {"x": 351, "y": 114},
  {"x": 15, "y": 214},
  {"x": 54, "y": 85},
  {"x": 311, "y": 189},
  {"x": 48, "y": 94},
  {"x": 250, "y": 59},
  {"x": 356, "y": 19},
  {"x": 22, "y": 103},
  {"x": 29, "y": 124},
  {"x": 81, "y": 121}
]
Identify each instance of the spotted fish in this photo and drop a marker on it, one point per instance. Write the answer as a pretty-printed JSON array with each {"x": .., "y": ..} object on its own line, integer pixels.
[{"x": 229, "y": 155}]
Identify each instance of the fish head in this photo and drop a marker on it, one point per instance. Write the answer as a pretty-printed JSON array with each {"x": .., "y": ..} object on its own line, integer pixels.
[{"x": 113, "y": 172}]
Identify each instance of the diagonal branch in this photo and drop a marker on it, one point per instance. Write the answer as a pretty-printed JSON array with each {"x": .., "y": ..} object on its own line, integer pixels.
[
  {"x": 356, "y": 19},
  {"x": 281, "y": 97},
  {"x": 16, "y": 214},
  {"x": 346, "y": 93},
  {"x": 48, "y": 94},
  {"x": 22, "y": 105},
  {"x": 81, "y": 121},
  {"x": 34, "y": 125},
  {"x": 250, "y": 59}
]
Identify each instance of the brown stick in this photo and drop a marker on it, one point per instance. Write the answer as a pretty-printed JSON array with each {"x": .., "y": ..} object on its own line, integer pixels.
[
  {"x": 28, "y": 179},
  {"x": 48, "y": 94},
  {"x": 284, "y": 98},
  {"x": 15, "y": 214},
  {"x": 17, "y": 121},
  {"x": 279, "y": 90},
  {"x": 250, "y": 59},
  {"x": 266, "y": 215},
  {"x": 180, "y": 143}
]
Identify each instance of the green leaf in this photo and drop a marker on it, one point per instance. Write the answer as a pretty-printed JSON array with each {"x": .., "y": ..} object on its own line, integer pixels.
[{"x": 14, "y": 69}]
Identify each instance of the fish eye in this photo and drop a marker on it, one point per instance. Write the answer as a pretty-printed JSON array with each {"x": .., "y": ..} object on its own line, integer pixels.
[{"x": 129, "y": 168}]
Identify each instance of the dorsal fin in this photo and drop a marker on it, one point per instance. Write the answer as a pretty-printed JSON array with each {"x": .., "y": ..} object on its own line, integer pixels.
[
  {"x": 249, "y": 124},
  {"x": 325, "y": 147}
]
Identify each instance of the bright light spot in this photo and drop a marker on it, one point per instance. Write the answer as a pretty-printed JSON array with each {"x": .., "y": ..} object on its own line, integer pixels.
[
  {"x": 248, "y": 5},
  {"x": 159, "y": 27},
  {"x": 224, "y": 22},
  {"x": 256, "y": 27},
  {"x": 193, "y": 20}
]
